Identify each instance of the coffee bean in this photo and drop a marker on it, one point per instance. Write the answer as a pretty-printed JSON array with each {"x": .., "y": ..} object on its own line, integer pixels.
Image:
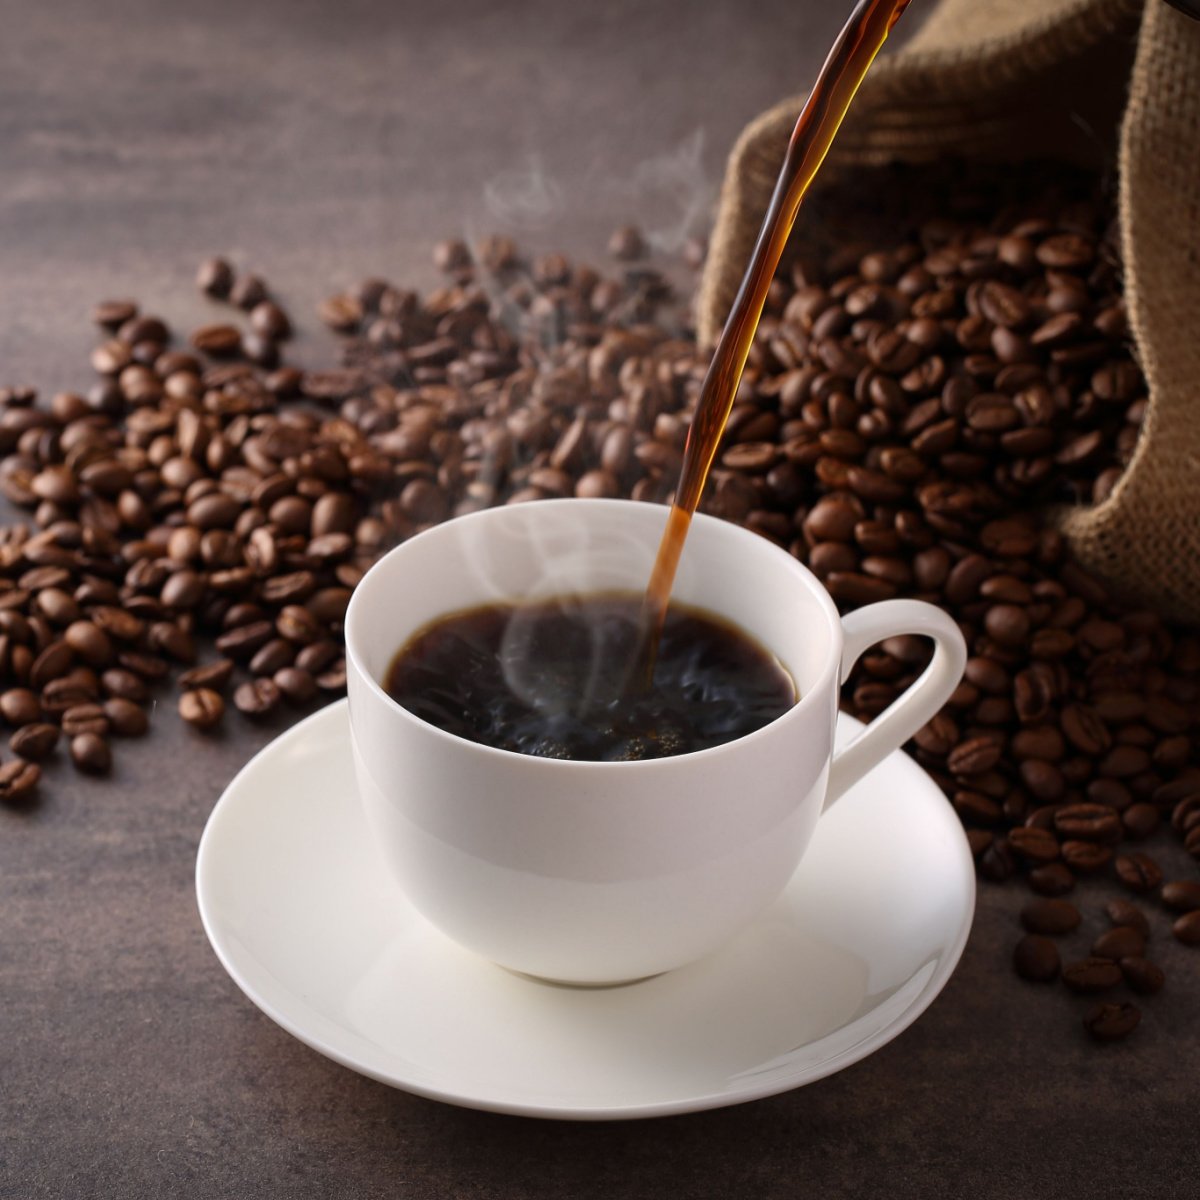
[
  {"x": 125, "y": 684},
  {"x": 627, "y": 243},
  {"x": 215, "y": 277},
  {"x": 1048, "y": 916},
  {"x": 241, "y": 642},
  {"x": 1007, "y": 624},
  {"x": 1187, "y": 928},
  {"x": 125, "y": 718},
  {"x": 270, "y": 321},
  {"x": 89, "y": 642},
  {"x": 1142, "y": 976},
  {"x": 1085, "y": 858},
  {"x": 974, "y": 757},
  {"x": 1139, "y": 821},
  {"x": 217, "y": 341},
  {"x": 202, "y": 708},
  {"x": 296, "y": 686},
  {"x": 83, "y": 719},
  {"x": 34, "y": 742},
  {"x": 1138, "y": 872},
  {"x": 1052, "y": 879},
  {"x": 1036, "y": 958},
  {"x": 1123, "y": 912},
  {"x": 91, "y": 754},
  {"x": 183, "y": 589},
  {"x": 273, "y": 656},
  {"x": 1111, "y": 1022},
  {"x": 1182, "y": 895},
  {"x": 257, "y": 698},
  {"x": 1123, "y": 941},
  {"x": 1088, "y": 822},
  {"x": 297, "y": 624},
  {"x": 112, "y": 314},
  {"x": 117, "y": 623},
  {"x": 54, "y": 660},
  {"x": 214, "y": 675},
  {"x": 1033, "y": 844},
  {"x": 18, "y": 782},
  {"x": 343, "y": 313},
  {"x": 451, "y": 255},
  {"x": 19, "y": 706},
  {"x": 1091, "y": 975},
  {"x": 247, "y": 291}
]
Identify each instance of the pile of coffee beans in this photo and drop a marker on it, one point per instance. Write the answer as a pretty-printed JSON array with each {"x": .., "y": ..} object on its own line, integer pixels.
[{"x": 914, "y": 406}]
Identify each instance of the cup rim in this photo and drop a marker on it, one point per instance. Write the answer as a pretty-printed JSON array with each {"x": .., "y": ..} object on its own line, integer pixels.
[{"x": 797, "y": 712}]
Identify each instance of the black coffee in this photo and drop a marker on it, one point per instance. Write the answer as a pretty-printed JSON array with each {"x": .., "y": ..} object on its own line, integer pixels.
[{"x": 555, "y": 679}]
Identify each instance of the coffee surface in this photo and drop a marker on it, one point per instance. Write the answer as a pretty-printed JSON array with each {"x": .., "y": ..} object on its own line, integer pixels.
[{"x": 552, "y": 678}]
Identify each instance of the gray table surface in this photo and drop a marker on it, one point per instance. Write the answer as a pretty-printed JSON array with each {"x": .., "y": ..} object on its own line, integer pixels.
[{"x": 317, "y": 142}]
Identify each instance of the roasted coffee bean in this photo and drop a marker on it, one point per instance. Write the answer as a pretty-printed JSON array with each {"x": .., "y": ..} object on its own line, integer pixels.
[
  {"x": 343, "y": 313},
  {"x": 270, "y": 321},
  {"x": 1033, "y": 844},
  {"x": 1124, "y": 912},
  {"x": 202, "y": 708},
  {"x": 1036, "y": 958},
  {"x": 296, "y": 686},
  {"x": 125, "y": 718},
  {"x": 627, "y": 243},
  {"x": 84, "y": 718},
  {"x": 1091, "y": 975},
  {"x": 1048, "y": 916},
  {"x": 1187, "y": 928},
  {"x": 1139, "y": 821},
  {"x": 1142, "y": 976},
  {"x": 91, "y": 754},
  {"x": 55, "y": 660},
  {"x": 89, "y": 642},
  {"x": 34, "y": 742},
  {"x": 1138, "y": 872},
  {"x": 1085, "y": 858},
  {"x": 298, "y": 625},
  {"x": 247, "y": 291},
  {"x": 1052, "y": 879},
  {"x": 125, "y": 684},
  {"x": 257, "y": 698},
  {"x": 1088, "y": 822},
  {"x": 19, "y": 706},
  {"x": 273, "y": 656},
  {"x": 1122, "y": 941},
  {"x": 974, "y": 757},
  {"x": 18, "y": 781},
  {"x": 1181, "y": 895},
  {"x": 217, "y": 341},
  {"x": 243, "y": 641},
  {"x": 215, "y": 277},
  {"x": 1111, "y": 1022},
  {"x": 112, "y": 314},
  {"x": 214, "y": 675}
]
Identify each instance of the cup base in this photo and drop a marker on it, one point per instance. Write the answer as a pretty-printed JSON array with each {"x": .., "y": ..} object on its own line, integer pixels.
[{"x": 581, "y": 985}]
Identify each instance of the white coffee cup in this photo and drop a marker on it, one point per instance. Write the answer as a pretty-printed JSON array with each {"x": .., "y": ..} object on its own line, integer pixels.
[{"x": 601, "y": 872}]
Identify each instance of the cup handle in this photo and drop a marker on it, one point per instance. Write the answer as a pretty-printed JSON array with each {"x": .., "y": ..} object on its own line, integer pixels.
[{"x": 909, "y": 711}]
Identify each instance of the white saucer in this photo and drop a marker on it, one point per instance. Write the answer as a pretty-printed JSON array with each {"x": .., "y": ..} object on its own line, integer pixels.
[{"x": 304, "y": 916}]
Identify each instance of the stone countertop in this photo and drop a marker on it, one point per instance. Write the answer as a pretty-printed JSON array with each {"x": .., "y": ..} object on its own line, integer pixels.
[{"x": 314, "y": 143}]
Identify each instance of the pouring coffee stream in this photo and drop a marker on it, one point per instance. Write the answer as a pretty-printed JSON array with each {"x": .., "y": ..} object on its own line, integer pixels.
[{"x": 859, "y": 41}]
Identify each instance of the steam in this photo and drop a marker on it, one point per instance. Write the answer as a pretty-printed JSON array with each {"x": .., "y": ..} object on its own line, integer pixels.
[
  {"x": 524, "y": 198},
  {"x": 672, "y": 194}
]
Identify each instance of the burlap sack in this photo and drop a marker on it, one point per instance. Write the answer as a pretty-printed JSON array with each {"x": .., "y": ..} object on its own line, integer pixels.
[{"x": 1011, "y": 79}]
